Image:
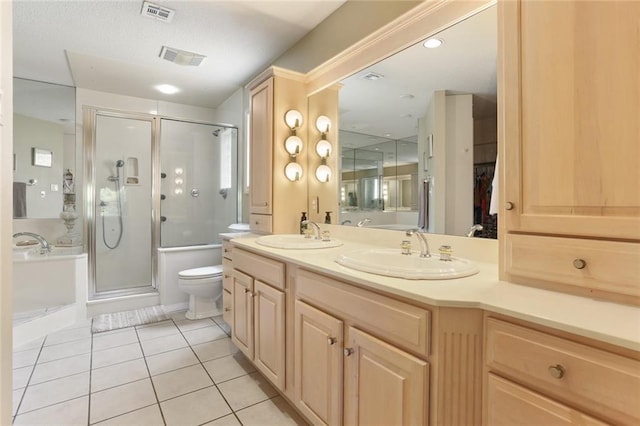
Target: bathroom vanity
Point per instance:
(471, 350)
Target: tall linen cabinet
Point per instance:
(569, 131)
(275, 203)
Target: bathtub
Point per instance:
(172, 260)
(49, 291)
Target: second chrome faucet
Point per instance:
(424, 245)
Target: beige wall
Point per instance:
(349, 24)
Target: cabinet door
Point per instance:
(242, 313)
(260, 149)
(569, 114)
(509, 404)
(269, 332)
(318, 365)
(383, 384)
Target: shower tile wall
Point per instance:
(196, 206)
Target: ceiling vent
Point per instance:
(181, 57)
(372, 76)
(157, 12)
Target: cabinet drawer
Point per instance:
(397, 322)
(606, 266)
(227, 277)
(260, 223)
(510, 404)
(592, 379)
(227, 249)
(264, 269)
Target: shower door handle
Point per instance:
(163, 218)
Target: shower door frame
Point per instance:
(90, 117)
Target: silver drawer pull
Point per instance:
(348, 351)
(331, 340)
(579, 263)
(557, 371)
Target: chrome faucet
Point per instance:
(315, 225)
(363, 222)
(44, 245)
(424, 245)
(473, 229)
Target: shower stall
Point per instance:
(152, 182)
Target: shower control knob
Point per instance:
(163, 218)
(163, 197)
(163, 175)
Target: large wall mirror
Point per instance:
(43, 147)
(419, 130)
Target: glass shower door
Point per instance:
(121, 238)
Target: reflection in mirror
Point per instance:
(378, 175)
(43, 122)
(424, 119)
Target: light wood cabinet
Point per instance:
(242, 313)
(361, 379)
(269, 332)
(569, 131)
(318, 364)
(258, 313)
(515, 405)
(227, 283)
(551, 376)
(261, 148)
(275, 202)
(383, 384)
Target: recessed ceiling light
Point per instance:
(167, 89)
(432, 43)
(372, 76)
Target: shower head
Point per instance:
(119, 163)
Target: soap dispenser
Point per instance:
(303, 226)
(327, 218)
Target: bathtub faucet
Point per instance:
(44, 245)
(363, 222)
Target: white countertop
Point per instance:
(605, 321)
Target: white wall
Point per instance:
(459, 164)
(449, 118)
(6, 210)
(29, 133)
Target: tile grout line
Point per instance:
(90, 374)
(26, 386)
(153, 386)
(209, 375)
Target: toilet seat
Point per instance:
(201, 273)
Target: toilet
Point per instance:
(204, 287)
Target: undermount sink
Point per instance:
(295, 242)
(392, 263)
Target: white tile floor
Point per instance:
(175, 372)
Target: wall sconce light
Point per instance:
(323, 148)
(293, 119)
(293, 145)
(323, 172)
(293, 171)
